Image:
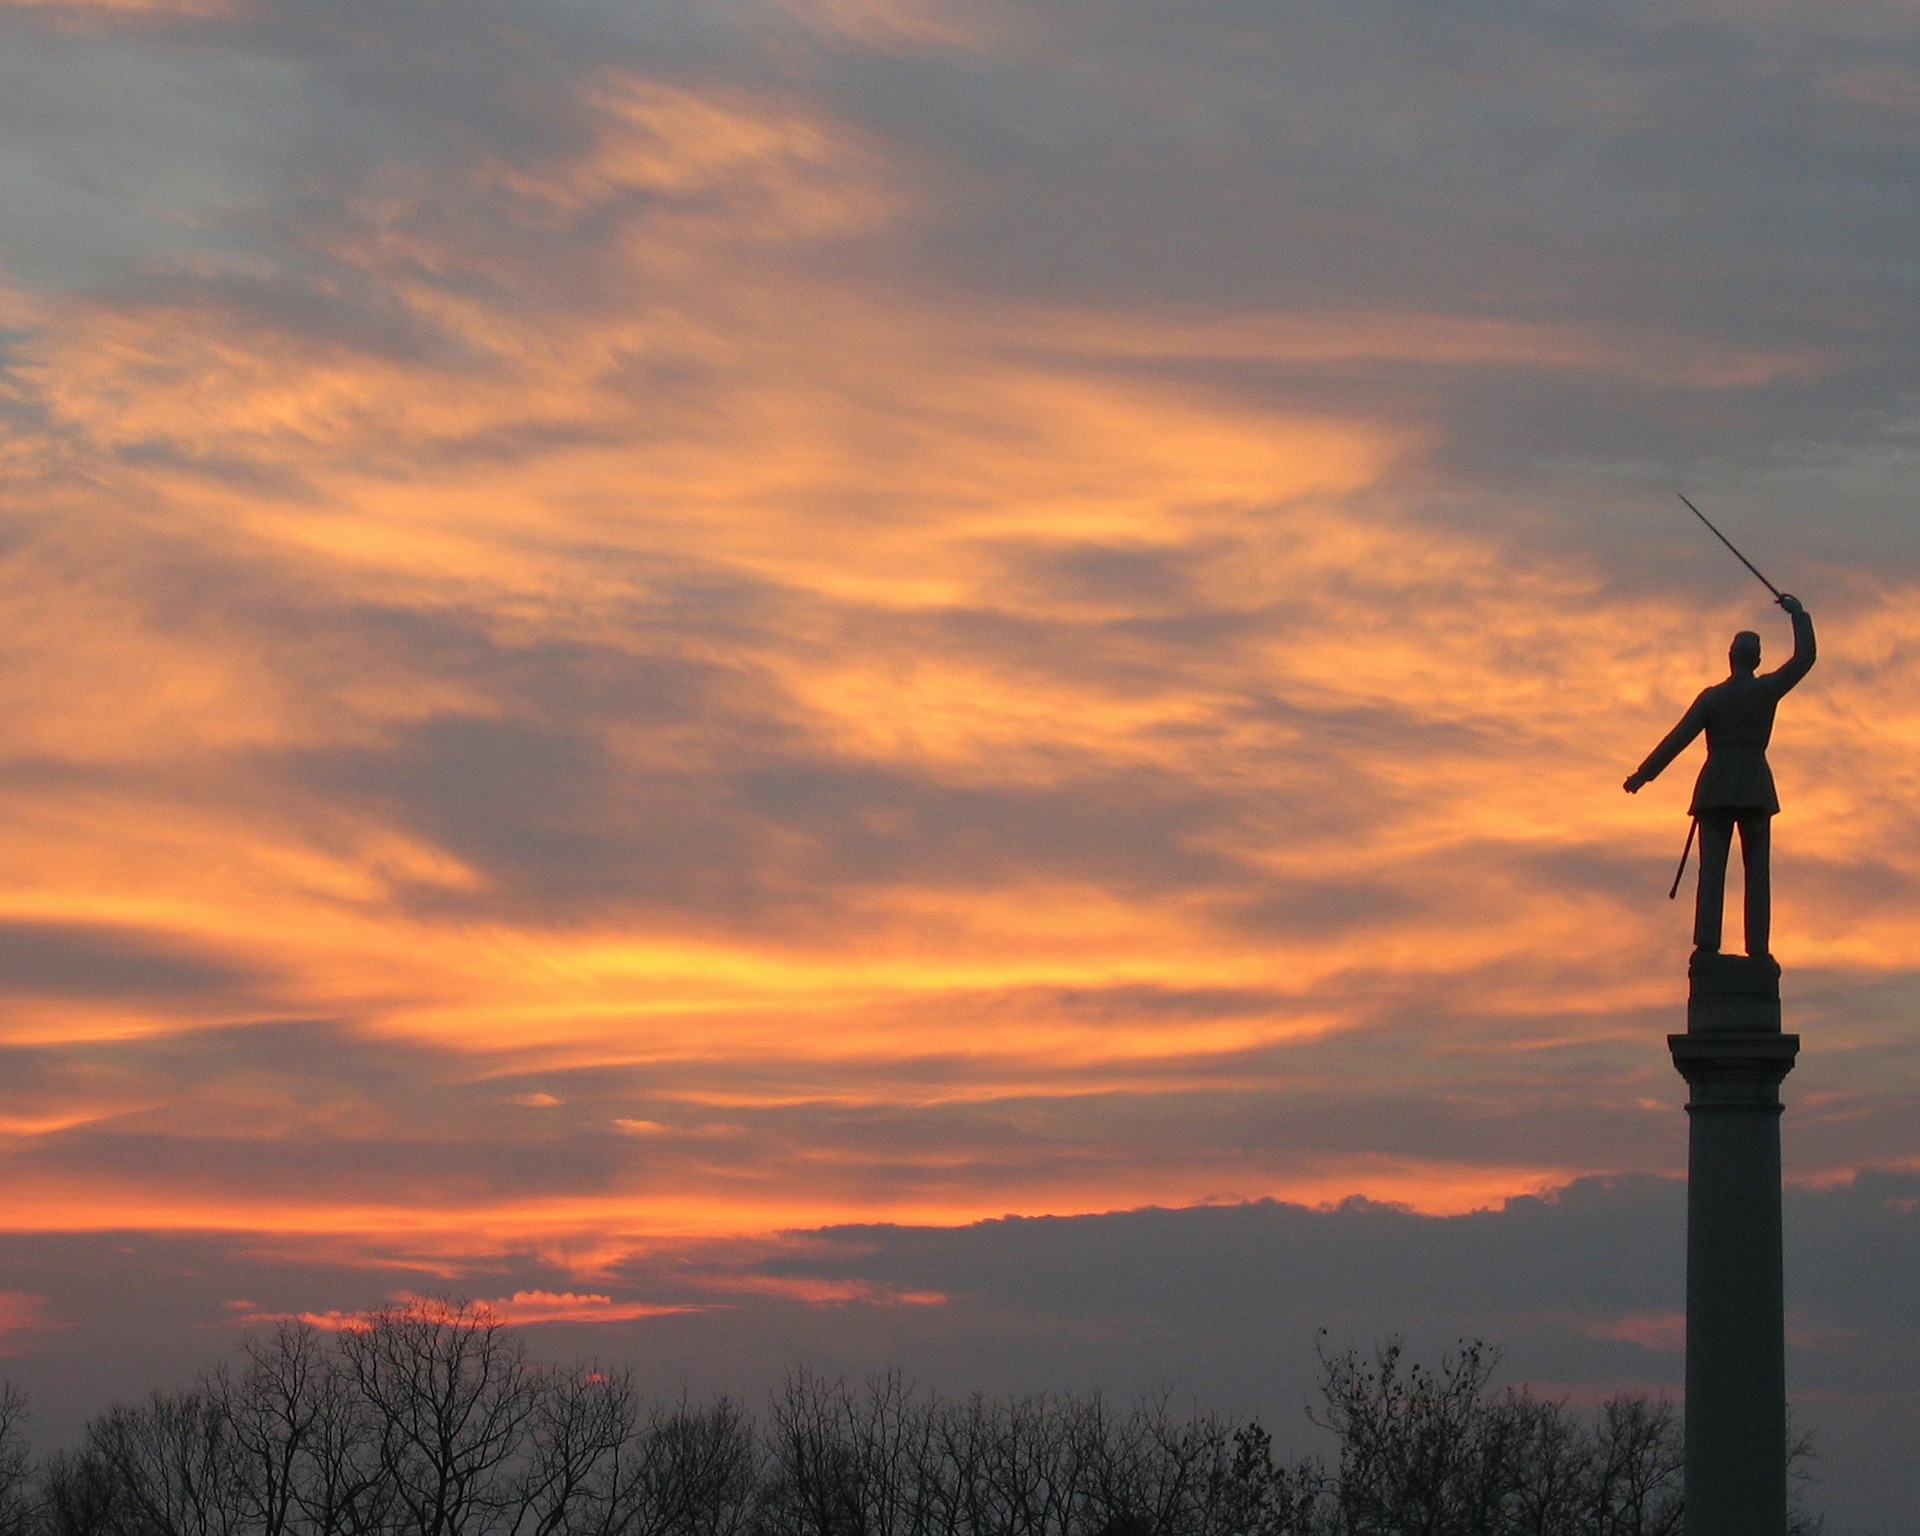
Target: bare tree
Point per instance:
(172, 1465)
(1634, 1470)
(303, 1439)
(270, 1411)
(1416, 1455)
(1801, 1454)
(1265, 1497)
(1434, 1452)
(19, 1507)
(79, 1496)
(602, 1465)
(339, 1484)
(885, 1462)
(696, 1473)
(452, 1400)
(428, 1420)
(843, 1463)
(1549, 1470)
(581, 1423)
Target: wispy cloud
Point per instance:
(520, 1310)
(825, 612)
(23, 1313)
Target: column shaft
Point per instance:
(1736, 1411)
(1734, 1057)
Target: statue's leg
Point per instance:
(1716, 842)
(1756, 849)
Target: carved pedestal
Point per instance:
(1734, 1057)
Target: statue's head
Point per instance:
(1744, 654)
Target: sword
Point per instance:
(1729, 543)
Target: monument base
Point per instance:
(1734, 1057)
(1732, 992)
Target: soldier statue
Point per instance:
(1735, 788)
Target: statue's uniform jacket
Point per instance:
(1737, 716)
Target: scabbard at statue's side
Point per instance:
(1693, 826)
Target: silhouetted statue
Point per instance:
(1735, 788)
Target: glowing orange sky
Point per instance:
(572, 688)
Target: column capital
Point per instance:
(1734, 1069)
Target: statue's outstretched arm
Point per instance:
(1676, 741)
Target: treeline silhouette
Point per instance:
(431, 1420)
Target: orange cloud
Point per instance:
(521, 1309)
(22, 1313)
(1662, 1331)
(1423, 339)
(731, 714)
(819, 1292)
(131, 9)
(897, 26)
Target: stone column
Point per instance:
(1733, 1057)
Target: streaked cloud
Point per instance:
(520, 1310)
(130, 8)
(22, 1313)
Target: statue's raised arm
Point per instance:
(1735, 787)
(1801, 662)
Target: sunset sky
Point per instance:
(632, 623)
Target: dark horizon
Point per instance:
(1224, 1307)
